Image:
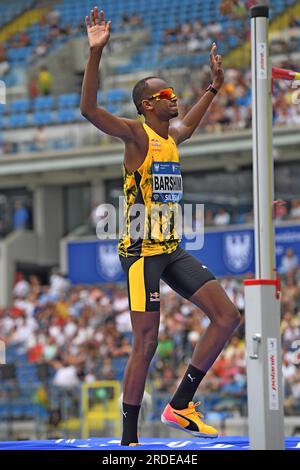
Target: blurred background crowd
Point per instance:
(171, 44)
(83, 333)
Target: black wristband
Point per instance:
(212, 89)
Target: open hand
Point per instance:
(216, 68)
(98, 30)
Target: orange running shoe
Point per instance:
(188, 420)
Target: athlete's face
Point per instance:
(164, 108)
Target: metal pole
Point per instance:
(262, 151)
(265, 404)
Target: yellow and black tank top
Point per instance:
(152, 196)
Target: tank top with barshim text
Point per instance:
(151, 203)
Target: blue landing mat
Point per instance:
(109, 444)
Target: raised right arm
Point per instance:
(98, 35)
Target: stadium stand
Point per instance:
(42, 321)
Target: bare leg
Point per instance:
(145, 327)
(224, 319)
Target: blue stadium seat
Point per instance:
(112, 108)
(19, 55)
(42, 117)
(3, 411)
(9, 10)
(101, 97)
(17, 120)
(66, 115)
(70, 100)
(43, 102)
(17, 411)
(30, 410)
(116, 95)
(75, 10)
(20, 106)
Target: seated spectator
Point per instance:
(280, 210)
(208, 218)
(4, 65)
(290, 293)
(40, 139)
(66, 376)
(295, 210)
(222, 217)
(294, 22)
(53, 17)
(33, 87)
(125, 22)
(40, 50)
(58, 284)
(50, 349)
(136, 22)
(289, 262)
(289, 328)
(35, 352)
(236, 8)
(186, 31)
(24, 39)
(22, 287)
(45, 81)
(239, 10)
(171, 34)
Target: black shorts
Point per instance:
(180, 270)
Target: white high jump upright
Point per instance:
(264, 370)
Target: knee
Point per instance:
(233, 317)
(145, 348)
(229, 318)
(150, 349)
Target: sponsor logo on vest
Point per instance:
(154, 297)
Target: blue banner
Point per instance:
(228, 252)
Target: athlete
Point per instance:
(152, 178)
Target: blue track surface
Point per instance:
(105, 444)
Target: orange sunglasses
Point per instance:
(164, 94)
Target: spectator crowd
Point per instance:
(84, 334)
(233, 108)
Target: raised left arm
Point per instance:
(193, 118)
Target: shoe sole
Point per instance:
(194, 433)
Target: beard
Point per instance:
(174, 112)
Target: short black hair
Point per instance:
(138, 92)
